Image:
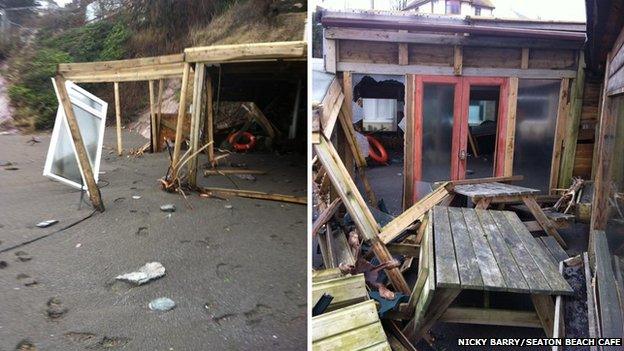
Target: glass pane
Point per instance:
(536, 117)
(89, 125)
(437, 134)
(64, 163)
(482, 124)
(76, 95)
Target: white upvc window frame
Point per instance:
(61, 120)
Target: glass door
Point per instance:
(483, 127)
(453, 116)
(437, 105)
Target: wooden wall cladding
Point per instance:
(583, 160)
(482, 57)
(368, 52)
(552, 59)
(430, 55)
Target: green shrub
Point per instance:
(114, 44)
(33, 94)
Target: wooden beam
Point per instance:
(209, 122)
(408, 143)
(498, 317)
(118, 119)
(258, 195)
(104, 66)
(153, 123)
(196, 119)
(612, 110)
(181, 116)
(444, 39)
(393, 229)
(510, 139)
(458, 60)
(360, 213)
(81, 151)
(403, 54)
(560, 129)
(395, 69)
(330, 55)
(572, 126)
(247, 52)
(159, 112)
(524, 61)
(326, 215)
(127, 74)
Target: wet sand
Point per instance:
(237, 275)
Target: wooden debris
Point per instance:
(210, 172)
(255, 195)
(569, 197)
(326, 215)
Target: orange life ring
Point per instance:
(377, 151)
(251, 141)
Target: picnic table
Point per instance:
(485, 194)
(486, 250)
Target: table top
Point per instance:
(493, 190)
(490, 250)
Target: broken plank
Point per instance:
(393, 229)
(326, 215)
(210, 172)
(258, 195)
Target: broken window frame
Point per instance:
(61, 120)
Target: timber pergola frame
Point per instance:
(158, 68)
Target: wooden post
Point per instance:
(198, 87)
(209, 122)
(605, 143)
(458, 60)
(153, 124)
(510, 137)
(159, 113)
(118, 119)
(562, 116)
(347, 90)
(572, 127)
(408, 143)
(81, 151)
(181, 117)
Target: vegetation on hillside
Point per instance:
(128, 29)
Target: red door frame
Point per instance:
(418, 119)
(461, 104)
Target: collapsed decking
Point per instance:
(543, 87)
(192, 63)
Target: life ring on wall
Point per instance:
(242, 146)
(377, 151)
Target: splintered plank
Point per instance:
(490, 272)
(393, 229)
(531, 272)
(514, 280)
(425, 265)
(469, 273)
(610, 312)
(539, 256)
(447, 274)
